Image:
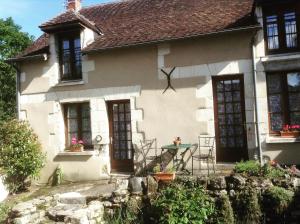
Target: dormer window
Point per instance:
(70, 56)
(282, 28)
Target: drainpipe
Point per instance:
(18, 76)
(257, 122)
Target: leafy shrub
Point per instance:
(122, 216)
(224, 211)
(277, 199)
(4, 209)
(250, 167)
(247, 207)
(180, 204)
(20, 154)
(273, 172)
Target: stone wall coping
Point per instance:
(278, 139)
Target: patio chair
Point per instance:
(205, 152)
(146, 147)
(181, 163)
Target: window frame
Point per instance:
(71, 36)
(79, 123)
(285, 104)
(279, 10)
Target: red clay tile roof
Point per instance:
(69, 17)
(133, 22)
(41, 45)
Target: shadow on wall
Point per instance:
(288, 153)
(167, 158)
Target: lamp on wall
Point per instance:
(98, 146)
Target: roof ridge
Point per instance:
(80, 16)
(106, 3)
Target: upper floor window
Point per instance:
(70, 56)
(281, 29)
(283, 99)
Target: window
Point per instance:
(78, 123)
(282, 28)
(283, 99)
(70, 56)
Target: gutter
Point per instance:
(257, 122)
(32, 57)
(253, 27)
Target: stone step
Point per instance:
(60, 212)
(76, 213)
(72, 198)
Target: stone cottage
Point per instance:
(117, 74)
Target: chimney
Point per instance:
(73, 4)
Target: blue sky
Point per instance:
(31, 13)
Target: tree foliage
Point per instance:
(12, 42)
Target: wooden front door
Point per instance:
(121, 149)
(230, 125)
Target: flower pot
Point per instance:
(164, 177)
(76, 148)
(290, 134)
(177, 143)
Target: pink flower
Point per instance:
(74, 141)
(80, 142)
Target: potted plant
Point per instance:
(177, 141)
(290, 131)
(163, 174)
(76, 145)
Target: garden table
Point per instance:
(175, 149)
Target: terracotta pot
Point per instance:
(164, 177)
(76, 148)
(177, 143)
(290, 134)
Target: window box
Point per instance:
(76, 148)
(290, 134)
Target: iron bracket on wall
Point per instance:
(169, 79)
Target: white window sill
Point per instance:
(278, 140)
(70, 83)
(280, 57)
(84, 153)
